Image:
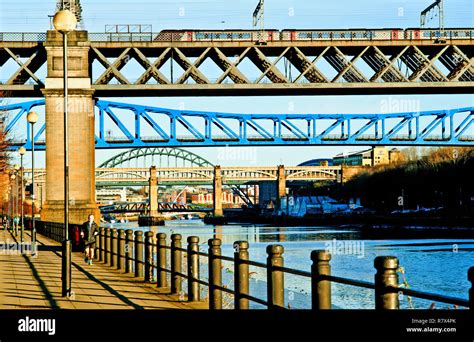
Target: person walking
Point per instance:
(88, 233)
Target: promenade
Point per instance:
(35, 283)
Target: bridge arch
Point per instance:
(160, 157)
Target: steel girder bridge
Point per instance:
(143, 207)
(122, 125)
(227, 63)
(202, 175)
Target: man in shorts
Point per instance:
(88, 232)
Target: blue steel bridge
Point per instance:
(123, 125)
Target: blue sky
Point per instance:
(32, 16)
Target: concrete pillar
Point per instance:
(217, 191)
(281, 185)
(81, 131)
(153, 192)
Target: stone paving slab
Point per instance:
(28, 282)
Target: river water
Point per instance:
(431, 265)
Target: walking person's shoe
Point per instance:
(90, 262)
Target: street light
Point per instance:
(32, 118)
(12, 177)
(65, 21)
(21, 152)
(17, 169)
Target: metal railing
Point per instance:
(143, 253)
(255, 36)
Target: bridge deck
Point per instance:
(28, 282)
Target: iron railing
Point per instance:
(144, 254)
(255, 36)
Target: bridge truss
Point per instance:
(218, 63)
(122, 125)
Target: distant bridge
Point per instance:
(143, 207)
(203, 175)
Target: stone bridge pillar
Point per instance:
(217, 192)
(281, 185)
(153, 192)
(81, 131)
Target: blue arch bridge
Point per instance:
(122, 125)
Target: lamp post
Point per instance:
(32, 118)
(65, 21)
(17, 169)
(21, 152)
(12, 177)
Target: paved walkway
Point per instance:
(27, 282)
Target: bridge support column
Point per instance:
(154, 218)
(281, 185)
(217, 192)
(153, 192)
(81, 131)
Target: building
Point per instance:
(378, 155)
(318, 162)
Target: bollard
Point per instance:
(275, 279)
(385, 277)
(161, 280)
(97, 246)
(320, 288)
(215, 274)
(138, 254)
(108, 232)
(470, 277)
(113, 249)
(176, 263)
(193, 269)
(100, 253)
(121, 250)
(128, 251)
(241, 275)
(148, 256)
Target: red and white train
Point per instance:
(311, 35)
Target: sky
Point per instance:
(32, 16)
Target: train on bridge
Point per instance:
(310, 35)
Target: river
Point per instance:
(431, 265)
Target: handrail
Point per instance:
(256, 36)
(386, 286)
(432, 296)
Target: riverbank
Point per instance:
(370, 225)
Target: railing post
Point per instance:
(113, 249)
(161, 279)
(148, 256)
(128, 251)
(97, 245)
(138, 253)
(108, 231)
(100, 253)
(470, 277)
(176, 263)
(215, 274)
(241, 274)
(121, 250)
(320, 288)
(275, 279)
(193, 269)
(386, 277)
